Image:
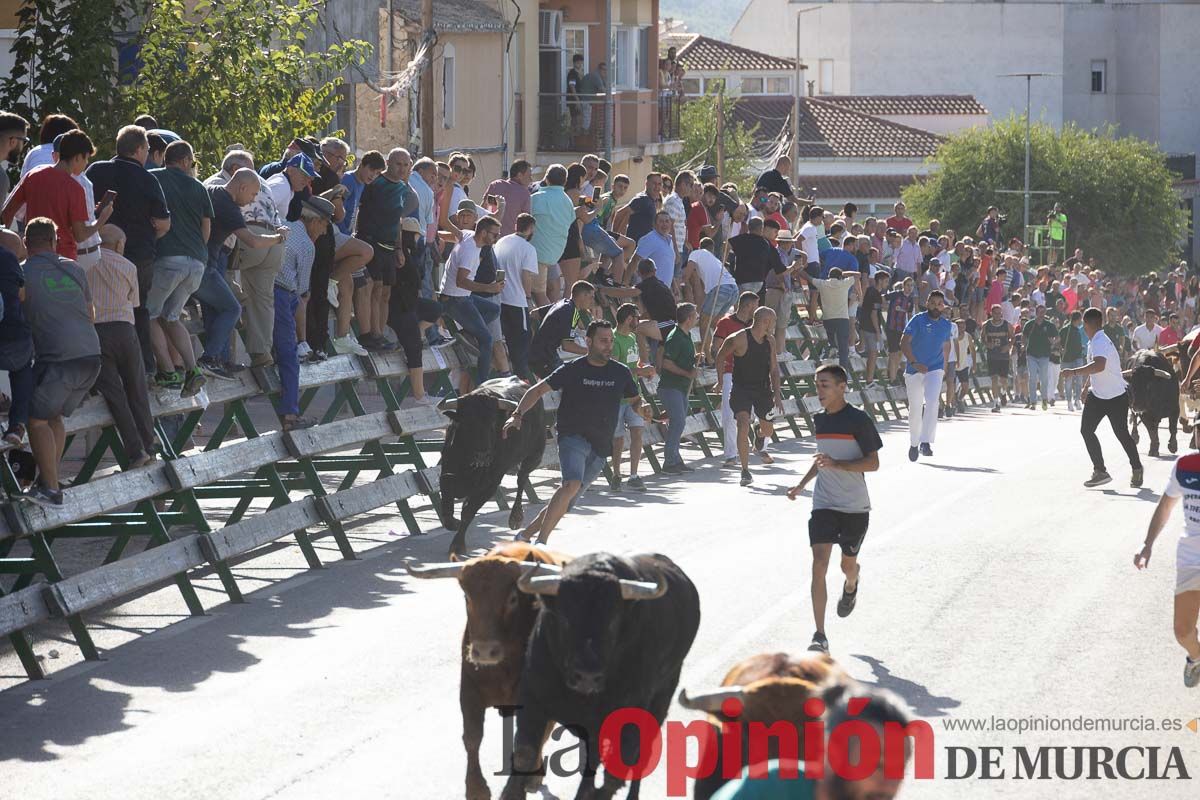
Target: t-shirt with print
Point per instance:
(846, 435)
(1185, 483)
(997, 340)
(58, 306)
(591, 399)
(190, 206)
(680, 350)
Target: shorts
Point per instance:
(1187, 576)
(382, 266)
(627, 419)
(578, 460)
(758, 399)
(893, 340)
(60, 386)
(843, 528)
(597, 239)
(339, 238)
(870, 340)
(361, 281)
(175, 279)
(963, 374)
(574, 248)
(719, 300)
(998, 368)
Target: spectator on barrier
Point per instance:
(16, 346)
(122, 382)
(42, 154)
(316, 214)
(179, 271)
(59, 308)
(515, 191)
(676, 205)
(140, 210)
(555, 214)
(405, 310)
(775, 180)
(713, 283)
(753, 255)
(459, 282)
(658, 248)
(678, 373)
(561, 328)
(659, 302)
(382, 206)
(517, 256)
(424, 181)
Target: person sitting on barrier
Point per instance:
(58, 305)
(122, 381)
(16, 345)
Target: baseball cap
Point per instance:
(320, 205)
(303, 163)
(466, 204)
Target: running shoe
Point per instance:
(303, 351)
(819, 644)
(1191, 673)
(1099, 478)
(635, 482)
(747, 478)
(846, 604)
(168, 380)
(193, 383)
(213, 368)
(912, 454)
(616, 484)
(1135, 478)
(996, 408)
(343, 345)
(47, 498)
(926, 450)
(1045, 406)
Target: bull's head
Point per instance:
(498, 614)
(474, 430)
(584, 618)
(1141, 378)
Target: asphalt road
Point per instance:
(993, 585)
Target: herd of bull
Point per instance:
(570, 641)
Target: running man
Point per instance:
(926, 345)
(1184, 482)
(847, 448)
(755, 385)
(630, 420)
(998, 342)
(741, 317)
(1104, 395)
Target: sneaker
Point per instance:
(819, 644)
(232, 367)
(47, 498)
(673, 469)
(378, 344)
(912, 454)
(345, 345)
(747, 478)
(303, 351)
(1191, 673)
(926, 450)
(635, 482)
(616, 484)
(1135, 478)
(1045, 405)
(213, 368)
(168, 380)
(847, 602)
(193, 383)
(298, 423)
(260, 360)
(438, 340)
(142, 460)
(1099, 478)
(995, 408)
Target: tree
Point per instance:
(236, 71)
(1116, 191)
(698, 129)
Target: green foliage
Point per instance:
(698, 129)
(1116, 192)
(237, 71)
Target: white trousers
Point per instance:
(924, 389)
(728, 420)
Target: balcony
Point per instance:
(634, 120)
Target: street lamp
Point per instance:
(798, 92)
(1028, 76)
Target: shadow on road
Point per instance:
(955, 468)
(922, 701)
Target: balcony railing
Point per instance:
(584, 123)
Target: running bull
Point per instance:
(475, 457)
(770, 688)
(1153, 395)
(612, 633)
(499, 621)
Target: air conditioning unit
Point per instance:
(550, 29)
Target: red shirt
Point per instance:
(1168, 337)
(697, 218)
(782, 220)
(51, 192)
(901, 224)
(726, 327)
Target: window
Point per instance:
(574, 44)
(779, 85)
(1099, 75)
(629, 67)
(448, 86)
(826, 83)
(752, 85)
(691, 86)
(714, 85)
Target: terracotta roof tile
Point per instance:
(855, 187)
(710, 55)
(907, 104)
(831, 131)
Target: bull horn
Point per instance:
(643, 590)
(448, 404)
(532, 583)
(506, 405)
(711, 702)
(1162, 373)
(442, 570)
(528, 567)
(1126, 373)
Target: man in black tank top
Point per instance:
(998, 343)
(755, 384)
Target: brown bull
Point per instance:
(772, 687)
(499, 621)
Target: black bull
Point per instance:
(612, 633)
(1153, 395)
(475, 457)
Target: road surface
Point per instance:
(993, 585)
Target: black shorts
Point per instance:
(760, 400)
(998, 367)
(843, 528)
(963, 374)
(893, 340)
(574, 248)
(382, 266)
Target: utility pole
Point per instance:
(798, 92)
(427, 83)
(721, 131)
(1028, 76)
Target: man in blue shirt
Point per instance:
(926, 346)
(659, 248)
(837, 257)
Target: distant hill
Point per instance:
(704, 16)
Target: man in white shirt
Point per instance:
(1105, 395)
(1145, 336)
(458, 282)
(810, 233)
(518, 258)
(707, 277)
(677, 206)
(297, 175)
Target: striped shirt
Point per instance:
(114, 286)
(298, 255)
